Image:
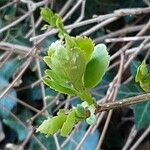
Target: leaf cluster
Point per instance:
(64, 121)
(76, 66)
(54, 20)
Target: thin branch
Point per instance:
(104, 130)
(8, 4)
(116, 88)
(123, 103)
(133, 11)
(84, 138)
(25, 142)
(66, 7)
(131, 137)
(145, 134)
(72, 10)
(57, 142)
(125, 30)
(117, 13)
(23, 103)
(17, 78)
(129, 44)
(125, 39)
(95, 28)
(23, 125)
(22, 17)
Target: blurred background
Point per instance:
(123, 25)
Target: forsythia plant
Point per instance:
(76, 66)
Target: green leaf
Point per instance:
(59, 23)
(86, 45)
(141, 72)
(52, 125)
(57, 59)
(91, 120)
(68, 64)
(86, 96)
(80, 111)
(143, 77)
(57, 79)
(141, 114)
(52, 84)
(69, 124)
(54, 20)
(47, 15)
(70, 42)
(97, 66)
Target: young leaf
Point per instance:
(47, 15)
(141, 72)
(91, 120)
(69, 124)
(52, 84)
(97, 66)
(53, 19)
(52, 125)
(143, 77)
(68, 64)
(70, 42)
(86, 45)
(57, 79)
(80, 111)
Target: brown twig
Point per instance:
(123, 103)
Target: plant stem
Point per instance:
(123, 103)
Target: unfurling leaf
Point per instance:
(55, 86)
(97, 66)
(54, 20)
(91, 120)
(86, 45)
(143, 77)
(69, 124)
(80, 111)
(52, 125)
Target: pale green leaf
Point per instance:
(52, 125)
(141, 72)
(69, 124)
(53, 19)
(56, 78)
(70, 42)
(143, 77)
(47, 15)
(91, 120)
(59, 23)
(45, 27)
(97, 66)
(52, 84)
(80, 111)
(86, 45)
